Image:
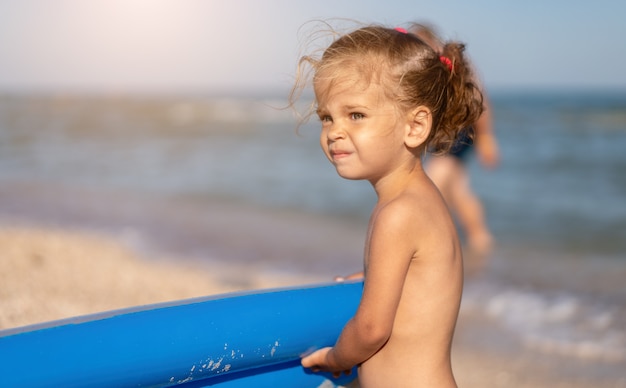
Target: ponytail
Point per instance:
(461, 99)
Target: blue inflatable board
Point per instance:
(252, 339)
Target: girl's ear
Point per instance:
(419, 124)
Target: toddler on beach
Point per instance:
(383, 98)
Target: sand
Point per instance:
(53, 274)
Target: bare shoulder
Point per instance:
(400, 216)
(422, 219)
(419, 208)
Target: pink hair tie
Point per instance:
(402, 30)
(446, 61)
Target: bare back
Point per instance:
(417, 353)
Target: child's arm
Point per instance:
(390, 252)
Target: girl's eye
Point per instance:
(357, 116)
(326, 119)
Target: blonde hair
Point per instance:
(410, 72)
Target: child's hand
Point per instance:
(318, 362)
(358, 275)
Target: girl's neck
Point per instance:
(394, 184)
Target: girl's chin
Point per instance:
(349, 175)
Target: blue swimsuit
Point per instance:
(463, 145)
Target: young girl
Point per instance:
(383, 97)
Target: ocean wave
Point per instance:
(230, 110)
(562, 324)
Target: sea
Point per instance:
(239, 180)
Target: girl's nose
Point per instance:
(335, 132)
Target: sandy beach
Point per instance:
(49, 274)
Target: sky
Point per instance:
(231, 46)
